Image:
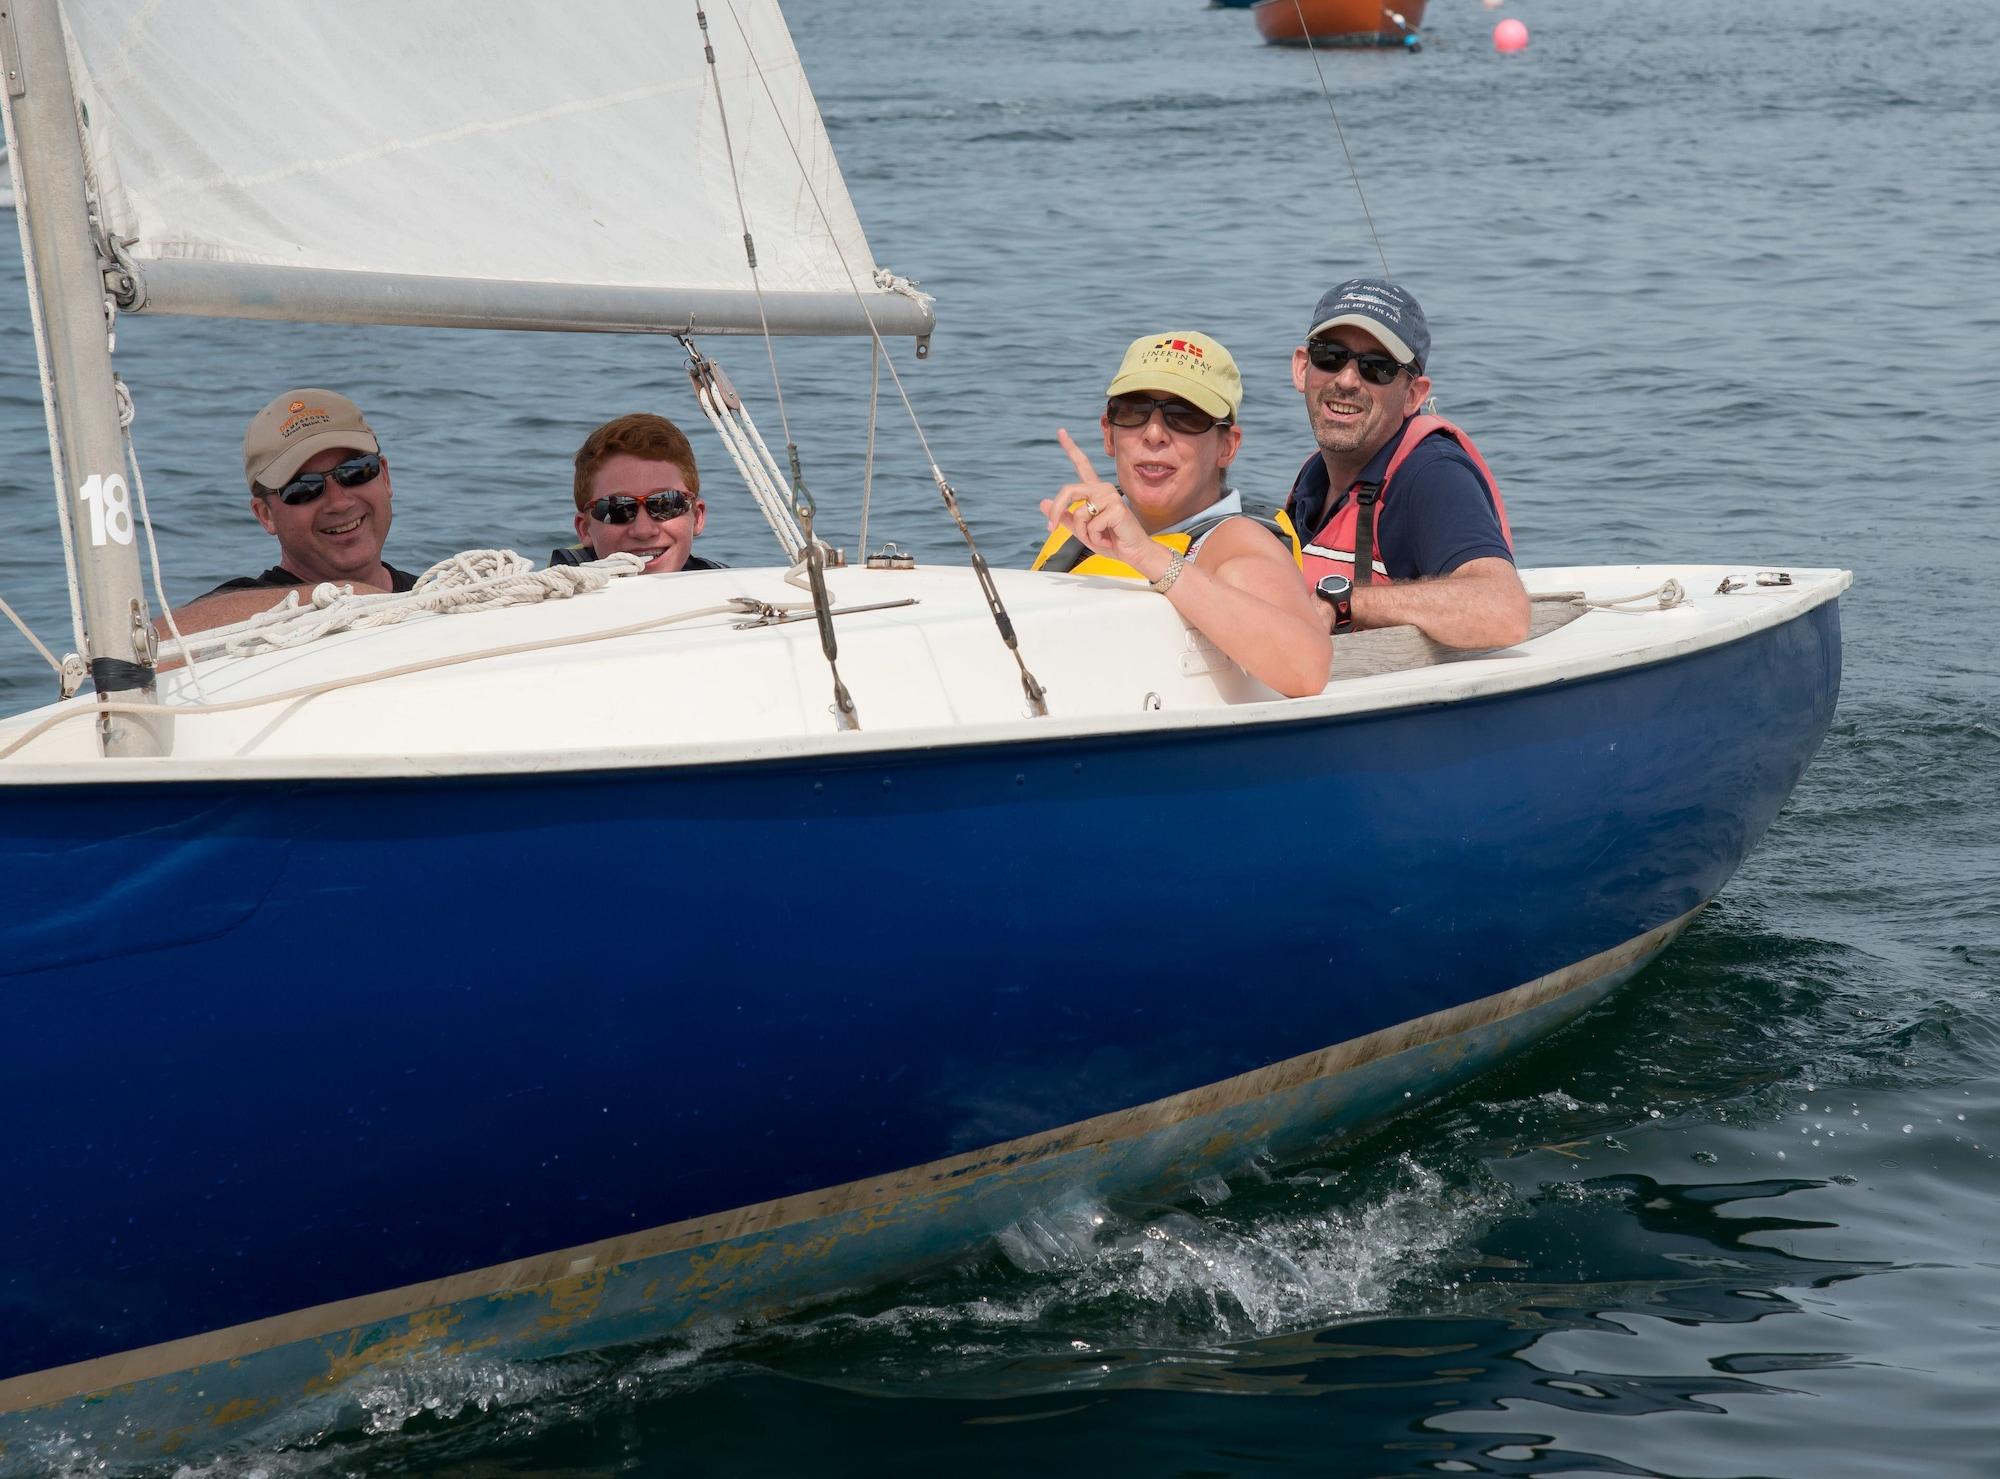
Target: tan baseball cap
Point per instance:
(1193, 366)
(286, 434)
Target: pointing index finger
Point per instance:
(1084, 471)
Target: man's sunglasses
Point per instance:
(1376, 368)
(352, 473)
(623, 508)
(1137, 410)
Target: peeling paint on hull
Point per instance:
(880, 1231)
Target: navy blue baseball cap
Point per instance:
(1381, 308)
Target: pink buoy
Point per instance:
(1510, 35)
(1493, 4)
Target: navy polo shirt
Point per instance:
(1437, 517)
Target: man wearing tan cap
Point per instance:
(1171, 519)
(319, 485)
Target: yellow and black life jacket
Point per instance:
(1065, 554)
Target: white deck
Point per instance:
(935, 673)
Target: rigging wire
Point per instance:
(845, 714)
(1431, 402)
(1037, 696)
(1334, 113)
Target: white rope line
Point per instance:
(127, 413)
(761, 476)
(776, 474)
(754, 476)
(59, 464)
(33, 641)
(331, 685)
(464, 582)
(1664, 597)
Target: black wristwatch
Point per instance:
(1338, 592)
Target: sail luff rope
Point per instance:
(845, 714)
(59, 463)
(1334, 113)
(127, 413)
(1037, 696)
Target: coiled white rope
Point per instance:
(466, 582)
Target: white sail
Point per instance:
(452, 161)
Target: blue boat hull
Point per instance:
(745, 1034)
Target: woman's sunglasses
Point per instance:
(350, 474)
(623, 508)
(1376, 368)
(1136, 410)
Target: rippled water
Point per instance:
(1707, 280)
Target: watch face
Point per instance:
(1335, 588)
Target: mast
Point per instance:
(66, 289)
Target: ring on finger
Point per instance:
(1092, 509)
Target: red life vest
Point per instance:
(1333, 550)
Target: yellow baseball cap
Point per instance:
(1192, 366)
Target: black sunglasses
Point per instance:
(623, 508)
(350, 474)
(1137, 410)
(1376, 368)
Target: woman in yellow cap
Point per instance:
(1172, 520)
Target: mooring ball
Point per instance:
(1509, 35)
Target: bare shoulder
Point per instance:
(1244, 538)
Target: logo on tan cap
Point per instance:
(1192, 366)
(296, 427)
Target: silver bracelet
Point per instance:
(1171, 574)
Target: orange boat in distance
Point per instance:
(1339, 22)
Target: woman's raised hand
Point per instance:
(1094, 510)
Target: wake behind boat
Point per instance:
(365, 1088)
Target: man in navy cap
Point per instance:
(1399, 519)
